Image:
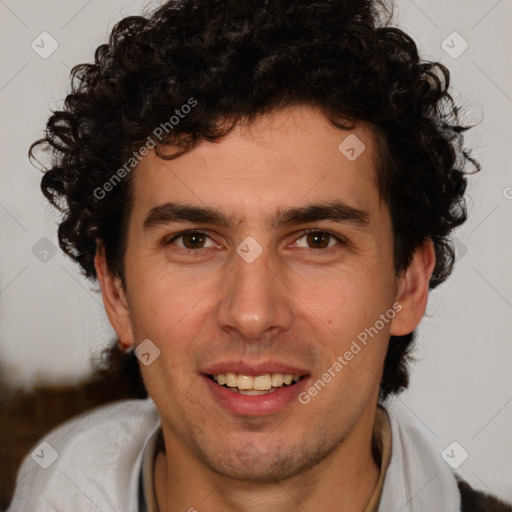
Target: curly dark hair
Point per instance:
(238, 60)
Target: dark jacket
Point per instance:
(478, 501)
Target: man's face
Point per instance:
(213, 304)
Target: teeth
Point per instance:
(277, 380)
(259, 385)
(263, 382)
(255, 392)
(231, 380)
(245, 382)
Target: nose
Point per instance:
(255, 303)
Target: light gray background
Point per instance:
(52, 320)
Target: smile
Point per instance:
(259, 385)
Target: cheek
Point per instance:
(343, 299)
(344, 315)
(170, 306)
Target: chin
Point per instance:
(257, 465)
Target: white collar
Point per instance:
(417, 478)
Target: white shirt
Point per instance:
(100, 456)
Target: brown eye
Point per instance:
(318, 240)
(193, 240)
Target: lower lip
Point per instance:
(255, 405)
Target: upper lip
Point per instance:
(252, 369)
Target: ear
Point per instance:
(412, 293)
(114, 298)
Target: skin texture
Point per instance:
(295, 304)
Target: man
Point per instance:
(265, 192)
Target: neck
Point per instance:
(344, 480)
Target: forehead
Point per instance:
(284, 159)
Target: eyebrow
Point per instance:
(336, 211)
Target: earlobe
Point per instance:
(413, 287)
(114, 299)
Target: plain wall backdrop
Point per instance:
(52, 320)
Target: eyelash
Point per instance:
(338, 238)
(187, 232)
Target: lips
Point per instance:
(259, 385)
(252, 369)
(254, 389)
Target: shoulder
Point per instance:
(88, 462)
(478, 501)
(416, 459)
